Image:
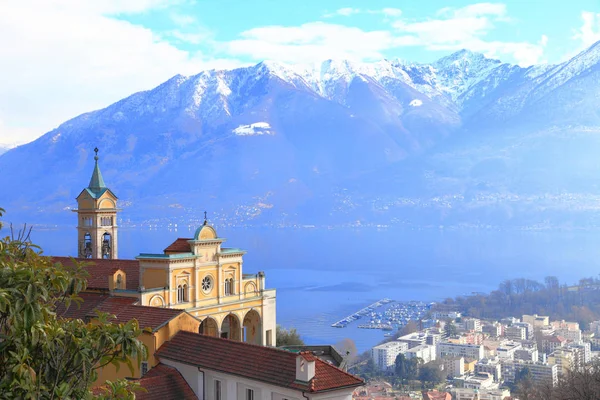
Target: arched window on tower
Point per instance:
(87, 246)
(106, 245)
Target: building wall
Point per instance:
(152, 341)
(233, 387)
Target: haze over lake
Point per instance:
(322, 275)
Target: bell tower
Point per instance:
(97, 219)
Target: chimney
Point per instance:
(305, 367)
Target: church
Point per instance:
(197, 274)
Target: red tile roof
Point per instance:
(147, 317)
(180, 245)
(161, 382)
(101, 269)
(122, 308)
(265, 364)
(435, 395)
(164, 382)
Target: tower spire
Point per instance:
(97, 182)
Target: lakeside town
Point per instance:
(464, 358)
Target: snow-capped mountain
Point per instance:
(275, 139)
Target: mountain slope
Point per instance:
(336, 142)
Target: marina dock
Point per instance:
(361, 313)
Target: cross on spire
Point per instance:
(96, 156)
(205, 219)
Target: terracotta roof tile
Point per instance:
(164, 382)
(100, 269)
(122, 308)
(161, 382)
(180, 245)
(75, 310)
(147, 317)
(265, 364)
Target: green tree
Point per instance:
(450, 329)
(287, 337)
(430, 374)
(43, 356)
(406, 369)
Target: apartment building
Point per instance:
(537, 320)
(490, 366)
(515, 332)
(564, 358)
(481, 394)
(507, 349)
(425, 352)
(384, 355)
(471, 351)
(454, 366)
(540, 372)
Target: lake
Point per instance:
(322, 275)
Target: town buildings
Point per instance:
(384, 355)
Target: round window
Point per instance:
(207, 283)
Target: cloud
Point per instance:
(65, 57)
(311, 42)
(452, 29)
(348, 11)
(344, 12)
(589, 32)
(391, 12)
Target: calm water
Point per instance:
(322, 275)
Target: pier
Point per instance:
(360, 313)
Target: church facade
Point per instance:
(194, 274)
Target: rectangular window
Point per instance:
(269, 337)
(217, 390)
(249, 394)
(144, 367)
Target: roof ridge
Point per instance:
(339, 369)
(269, 348)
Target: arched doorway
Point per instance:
(209, 327)
(252, 327)
(230, 328)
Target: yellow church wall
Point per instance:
(154, 278)
(213, 273)
(152, 341)
(106, 203)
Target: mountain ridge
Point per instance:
(270, 141)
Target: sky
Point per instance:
(61, 58)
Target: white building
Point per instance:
(472, 351)
(507, 349)
(414, 339)
(472, 324)
(595, 327)
(220, 369)
(480, 394)
(540, 372)
(490, 366)
(538, 321)
(384, 355)
(515, 332)
(527, 354)
(480, 381)
(425, 352)
(454, 367)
